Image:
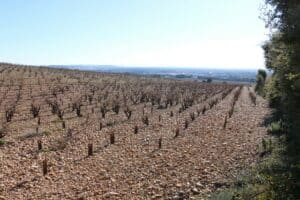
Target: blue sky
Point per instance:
(193, 33)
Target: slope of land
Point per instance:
(199, 152)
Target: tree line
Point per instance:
(282, 89)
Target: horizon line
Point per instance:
(134, 66)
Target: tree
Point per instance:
(209, 80)
(282, 56)
(260, 81)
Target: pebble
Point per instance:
(156, 196)
(199, 185)
(195, 191)
(109, 194)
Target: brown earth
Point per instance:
(203, 158)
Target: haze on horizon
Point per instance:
(193, 33)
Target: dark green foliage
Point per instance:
(273, 92)
(264, 144)
(260, 81)
(209, 80)
(276, 128)
(262, 73)
(282, 55)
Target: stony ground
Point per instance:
(201, 159)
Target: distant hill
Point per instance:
(230, 75)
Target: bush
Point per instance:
(275, 128)
(2, 142)
(272, 91)
(260, 81)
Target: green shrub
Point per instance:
(2, 142)
(260, 81)
(272, 91)
(260, 182)
(264, 144)
(275, 128)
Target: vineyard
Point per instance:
(68, 134)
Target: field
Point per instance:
(69, 134)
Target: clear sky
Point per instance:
(194, 33)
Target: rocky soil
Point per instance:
(200, 160)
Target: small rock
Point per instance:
(109, 194)
(156, 196)
(113, 180)
(219, 184)
(199, 185)
(176, 197)
(195, 191)
(181, 196)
